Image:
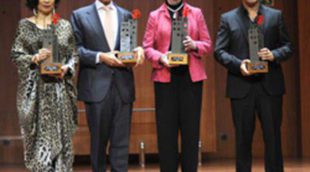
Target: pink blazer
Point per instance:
(157, 38)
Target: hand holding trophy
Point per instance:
(48, 57)
(256, 44)
(139, 53)
(41, 56)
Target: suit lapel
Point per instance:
(165, 23)
(266, 19)
(94, 21)
(240, 21)
(191, 20)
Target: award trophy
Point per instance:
(178, 56)
(129, 39)
(52, 65)
(256, 42)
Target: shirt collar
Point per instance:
(100, 5)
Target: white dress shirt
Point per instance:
(103, 11)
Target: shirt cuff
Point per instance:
(98, 58)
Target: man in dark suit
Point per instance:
(251, 93)
(105, 84)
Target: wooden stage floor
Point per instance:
(210, 166)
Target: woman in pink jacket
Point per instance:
(178, 89)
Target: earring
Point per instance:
(54, 11)
(35, 12)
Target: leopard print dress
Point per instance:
(46, 110)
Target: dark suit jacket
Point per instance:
(232, 47)
(94, 79)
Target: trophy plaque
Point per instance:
(178, 56)
(129, 30)
(128, 42)
(51, 65)
(256, 42)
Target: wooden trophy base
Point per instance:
(128, 58)
(178, 59)
(257, 67)
(50, 69)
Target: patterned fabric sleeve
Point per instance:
(72, 53)
(71, 62)
(19, 53)
(27, 82)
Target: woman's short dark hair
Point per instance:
(33, 4)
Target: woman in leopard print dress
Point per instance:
(46, 105)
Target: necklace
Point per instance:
(175, 12)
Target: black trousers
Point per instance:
(178, 107)
(109, 121)
(269, 110)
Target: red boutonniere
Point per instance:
(55, 18)
(136, 14)
(185, 11)
(260, 20)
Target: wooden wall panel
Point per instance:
(208, 118)
(10, 149)
(8, 72)
(291, 115)
(304, 61)
(225, 130)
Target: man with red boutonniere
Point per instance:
(252, 42)
(106, 37)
